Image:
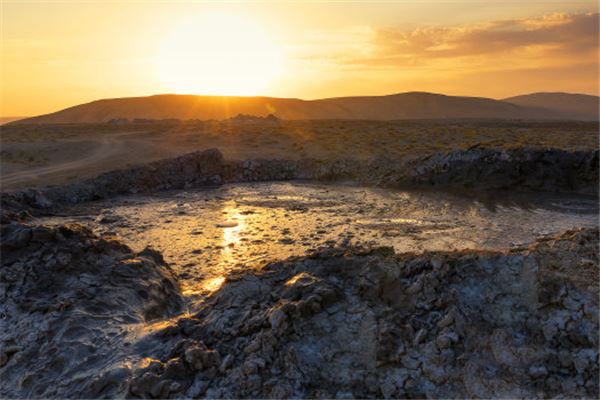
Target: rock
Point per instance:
(63, 258)
(112, 383)
(108, 219)
(18, 238)
(336, 323)
(584, 358)
(392, 385)
(213, 393)
(41, 201)
(415, 287)
(277, 319)
(436, 373)
(437, 263)
(443, 341)
(215, 179)
(145, 385)
(571, 304)
(3, 358)
(446, 339)
(197, 388)
(446, 320)
(537, 371)
(420, 336)
(226, 363)
(74, 312)
(174, 369)
(253, 365)
(550, 329)
(41, 234)
(201, 358)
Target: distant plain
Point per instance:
(40, 155)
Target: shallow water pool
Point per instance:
(205, 234)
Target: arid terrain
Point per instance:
(39, 155)
(299, 200)
(237, 258)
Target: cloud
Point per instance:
(554, 52)
(555, 38)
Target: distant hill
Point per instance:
(6, 120)
(412, 105)
(581, 106)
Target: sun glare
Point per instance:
(218, 54)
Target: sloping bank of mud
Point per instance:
(77, 315)
(71, 304)
(476, 168)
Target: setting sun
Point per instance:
(218, 54)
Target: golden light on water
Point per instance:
(218, 54)
(213, 284)
(233, 227)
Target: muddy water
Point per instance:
(205, 234)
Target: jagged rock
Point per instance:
(538, 371)
(15, 237)
(340, 322)
(69, 312)
(200, 358)
(523, 168)
(456, 349)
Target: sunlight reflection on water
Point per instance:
(207, 234)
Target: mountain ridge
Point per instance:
(577, 104)
(398, 106)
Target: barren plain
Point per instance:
(39, 155)
(299, 259)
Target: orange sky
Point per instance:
(58, 54)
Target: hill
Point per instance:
(6, 120)
(412, 105)
(581, 106)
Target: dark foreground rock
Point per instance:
(475, 168)
(69, 303)
(84, 317)
(360, 323)
(371, 324)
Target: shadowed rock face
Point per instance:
(339, 323)
(69, 304)
(523, 169)
(366, 324)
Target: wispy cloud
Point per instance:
(555, 37)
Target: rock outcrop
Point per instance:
(372, 324)
(70, 304)
(78, 312)
(479, 168)
(84, 317)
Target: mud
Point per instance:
(549, 170)
(205, 234)
(278, 290)
(86, 317)
(371, 324)
(72, 305)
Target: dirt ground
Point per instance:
(40, 155)
(200, 277)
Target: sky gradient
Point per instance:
(59, 54)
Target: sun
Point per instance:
(218, 54)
